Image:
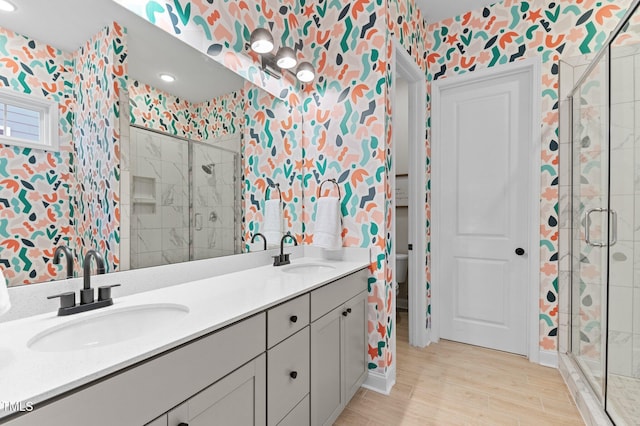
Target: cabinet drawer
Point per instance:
(283, 390)
(299, 416)
(332, 295)
(286, 319)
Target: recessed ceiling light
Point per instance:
(7, 6)
(165, 77)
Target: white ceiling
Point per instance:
(151, 50)
(437, 10)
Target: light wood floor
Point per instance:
(456, 384)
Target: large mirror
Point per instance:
(148, 171)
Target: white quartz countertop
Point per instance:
(31, 377)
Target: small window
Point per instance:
(28, 121)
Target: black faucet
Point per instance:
(87, 302)
(60, 250)
(282, 258)
(264, 239)
(86, 294)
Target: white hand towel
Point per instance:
(272, 222)
(328, 228)
(5, 303)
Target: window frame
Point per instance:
(48, 111)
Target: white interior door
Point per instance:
(485, 134)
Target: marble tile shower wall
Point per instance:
(624, 258)
(160, 199)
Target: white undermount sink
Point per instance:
(307, 268)
(107, 327)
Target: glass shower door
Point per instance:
(216, 225)
(623, 331)
(590, 140)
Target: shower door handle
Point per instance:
(614, 227)
(587, 226)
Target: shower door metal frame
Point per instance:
(612, 220)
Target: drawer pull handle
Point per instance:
(348, 310)
(293, 318)
(293, 374)
(345, 313)
(183, 424)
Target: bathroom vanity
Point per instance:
(267, 345)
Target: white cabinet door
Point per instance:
(355, 341)
(326, 368)
(237, 400)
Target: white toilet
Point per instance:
(402, 266)
(402, 269)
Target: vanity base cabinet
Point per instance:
(295, 364)
(145, 391)
(239, 399)
(338, 347)
(355, 345)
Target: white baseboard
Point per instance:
(548, 358)
(379, 382)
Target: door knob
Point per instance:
(520, 251)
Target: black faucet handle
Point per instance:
(67, 300)
(281, 259)
(104, 292)
(86, 296)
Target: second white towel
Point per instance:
(328, 227)
(5, 303)
(272, 222)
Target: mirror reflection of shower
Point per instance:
(210, 170)
(186, 199)
(216, 199)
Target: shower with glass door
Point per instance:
(605, 224)
(186, 198)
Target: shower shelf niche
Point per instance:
(144, 195)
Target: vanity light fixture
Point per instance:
(261, 42)
(305, 72)
(7, 6)
(167, 77)
(286, 58)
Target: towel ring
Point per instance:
(332, 181)
(277, 186)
